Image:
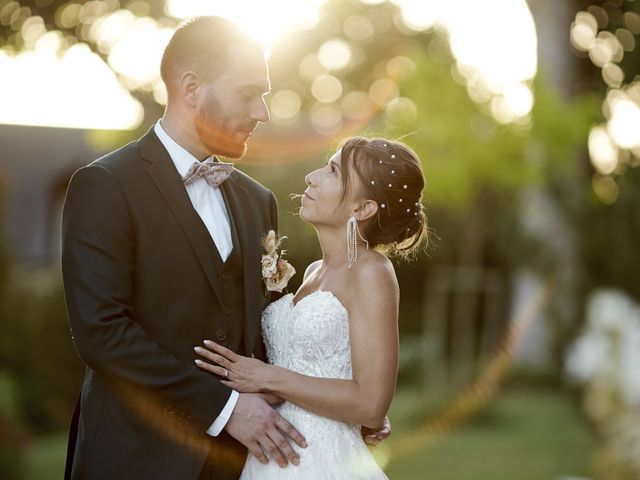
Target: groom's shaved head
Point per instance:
(201, 45)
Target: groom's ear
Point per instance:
(367, 210)
(188, 86)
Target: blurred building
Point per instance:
(35, 166)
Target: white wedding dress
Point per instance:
(312, 338)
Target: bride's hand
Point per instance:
(243, 374)
(271, 398)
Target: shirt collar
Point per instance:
(182, 159)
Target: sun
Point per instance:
(266, 21)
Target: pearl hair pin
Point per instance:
(390, 185)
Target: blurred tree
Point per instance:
(397, 83)
(606, 215)
(22, 21)
(620, 18)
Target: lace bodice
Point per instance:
(312, 338)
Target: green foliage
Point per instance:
(457, 163)
(465, 152)
(605, 235)
(37, 351)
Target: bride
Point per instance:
(333, 346)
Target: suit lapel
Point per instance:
(164, 174)
(244, 223)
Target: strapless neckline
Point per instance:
(315, 292)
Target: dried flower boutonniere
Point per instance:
(276, 271)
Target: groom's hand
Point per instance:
(374, 437)
(261, 429)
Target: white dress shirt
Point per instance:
(209, 204)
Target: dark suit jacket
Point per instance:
(141, 292)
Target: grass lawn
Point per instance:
(525, 434)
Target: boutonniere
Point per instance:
(276, 271)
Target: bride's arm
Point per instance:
(373, 329)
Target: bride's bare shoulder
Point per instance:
(374, 273)
(373, 294)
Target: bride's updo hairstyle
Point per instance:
(391, 175)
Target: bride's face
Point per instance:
(322, 200)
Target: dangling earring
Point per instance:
(352, 241)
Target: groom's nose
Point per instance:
(260, 112)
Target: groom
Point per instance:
(158, 256)
(161, 249)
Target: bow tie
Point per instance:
(214, 173)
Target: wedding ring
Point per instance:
(226, 374)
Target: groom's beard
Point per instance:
(218, 138)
